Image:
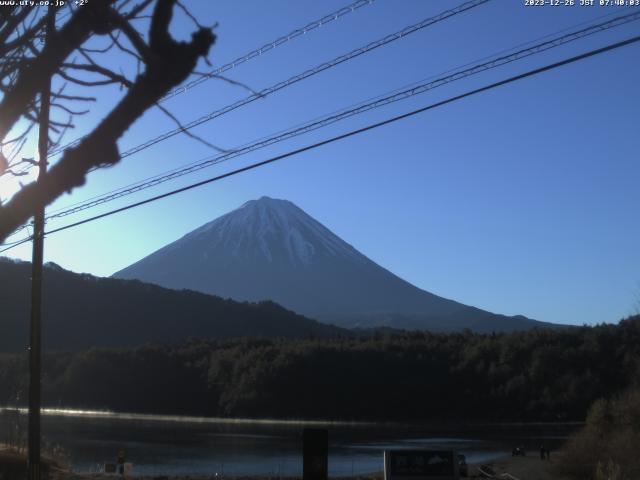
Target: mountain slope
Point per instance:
(80, 311)
(271, 249)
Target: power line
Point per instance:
(208, 159)
(294, 34)
(413, 90)
(307, 74)
(310, 27)
(270, 46)
(292, 80)
(394, 119)
(9, 246)
(527, 74)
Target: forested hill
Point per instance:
(80, 311)
(537, 375)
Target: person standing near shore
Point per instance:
(543, 452)
(121, 461)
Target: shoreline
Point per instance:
(521, 468)
(506, 467)
(159, 417)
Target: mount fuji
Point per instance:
(270, 249)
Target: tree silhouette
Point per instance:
(75, 59)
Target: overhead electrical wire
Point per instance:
(414, 89)
(427, 22)
(269, 46)
(351, 133)
(278, 42)
(309, 27)
(307, 127)
(297, 78)
(529, 73)
(11, 245)
(501, 52)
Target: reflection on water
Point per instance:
(172, 445)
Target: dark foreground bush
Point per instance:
(607, 447)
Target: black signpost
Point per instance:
(315, 454)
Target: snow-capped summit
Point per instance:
(269, 249)
(276, 230)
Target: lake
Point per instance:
(164, 445)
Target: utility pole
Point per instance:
(35, 347)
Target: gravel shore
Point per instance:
(521, 468)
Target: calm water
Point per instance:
(189, 446)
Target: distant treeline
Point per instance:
(534, 375)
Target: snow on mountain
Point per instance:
(271, 249)
(266, 226)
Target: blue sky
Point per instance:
(521, 200)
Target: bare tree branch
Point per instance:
(135, 11)
(167, 64)
(189, 14)
(93, 68)
(187, 132)
(78, 98)
(68, 110)
(135, 38)
(230, 81)
(86, 83)
(30, 80)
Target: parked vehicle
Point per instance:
(518, 452)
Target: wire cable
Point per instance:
(11, 245)
(427, 22)
(290, 81)
(270, 46)
(396, 96)
(316, 24)
(413, 84)
(352, 133)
